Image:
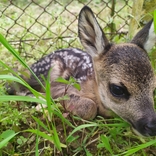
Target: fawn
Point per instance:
(113, 77)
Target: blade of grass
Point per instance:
(13, 51)
(50, 111)
(48, 95)
(12, 78)
(45, 136)
(21, 81)
(40, 123)
(22, 98)
(139, 147)
(81, 127)
(56, 138)
(37, 142)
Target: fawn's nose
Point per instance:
(146, 127)
(150, 128)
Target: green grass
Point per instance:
(53, 131)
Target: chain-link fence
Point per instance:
(39, 27)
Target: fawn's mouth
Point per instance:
(144, 127)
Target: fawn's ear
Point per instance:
(146, 37)
(90, 33)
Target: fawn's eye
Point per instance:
(119, 91)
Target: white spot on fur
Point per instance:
(84, 66)
(35, 69)
(47, 59)
(43, 62)
(51, 56)
(47, 67)
(87, 59)
(76, 51)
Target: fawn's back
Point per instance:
(113, 78)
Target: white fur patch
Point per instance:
(151, 39)
(78, 62)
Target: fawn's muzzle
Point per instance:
(146, 127)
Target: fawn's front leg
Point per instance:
(77, 104)
(81, 106)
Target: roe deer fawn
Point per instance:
(113, 78)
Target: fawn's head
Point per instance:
(123, 72)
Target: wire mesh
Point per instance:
(37, 27)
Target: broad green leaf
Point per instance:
(77, 86)
(105, 143)
(62, 80)
(6, 136)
